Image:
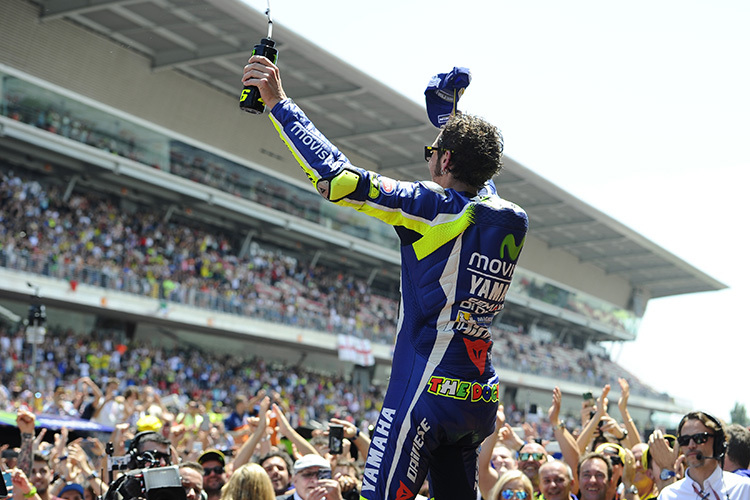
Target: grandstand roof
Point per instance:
(210, 39)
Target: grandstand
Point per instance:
(132, 107)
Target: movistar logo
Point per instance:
(513, 250)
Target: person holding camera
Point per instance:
(312, 480)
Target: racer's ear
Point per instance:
(445, 161)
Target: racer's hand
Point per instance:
(262, 73)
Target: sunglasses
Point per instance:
(216, 470)
(428, 150)
(511, 494)
(699, 438)
(525, 456)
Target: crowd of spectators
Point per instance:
(256, 437)
(181, 374)
(215, 171)
(88, 239)
(221, 412)
(77, 126)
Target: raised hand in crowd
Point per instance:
(632, 436)
(25, 421)
(261, 434)
(665, 457)
(23, 489)
(610, 426)
(568, 444)
(530, 431)
(504, 438)
(61, 440)
(352, 435)
(590, 430)
(302, 446)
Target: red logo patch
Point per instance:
(477, 351)
(403, 492)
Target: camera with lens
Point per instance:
(144, 479)
(159, 483)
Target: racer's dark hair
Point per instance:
(476, 148)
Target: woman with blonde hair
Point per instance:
(512, 485)
(249, 482)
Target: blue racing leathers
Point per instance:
(458, 254)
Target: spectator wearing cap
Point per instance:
(148, 423)
(214, 475)
(71, 491)
(308, 483)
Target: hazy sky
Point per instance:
(641, 109)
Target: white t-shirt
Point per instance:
(720, 485)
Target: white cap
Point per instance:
(311, 460)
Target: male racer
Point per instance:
(459, 246)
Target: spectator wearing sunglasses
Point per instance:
(531, 456)
(214, 475)
(512, 485)
(700, 437)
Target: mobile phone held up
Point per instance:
(335, 439)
